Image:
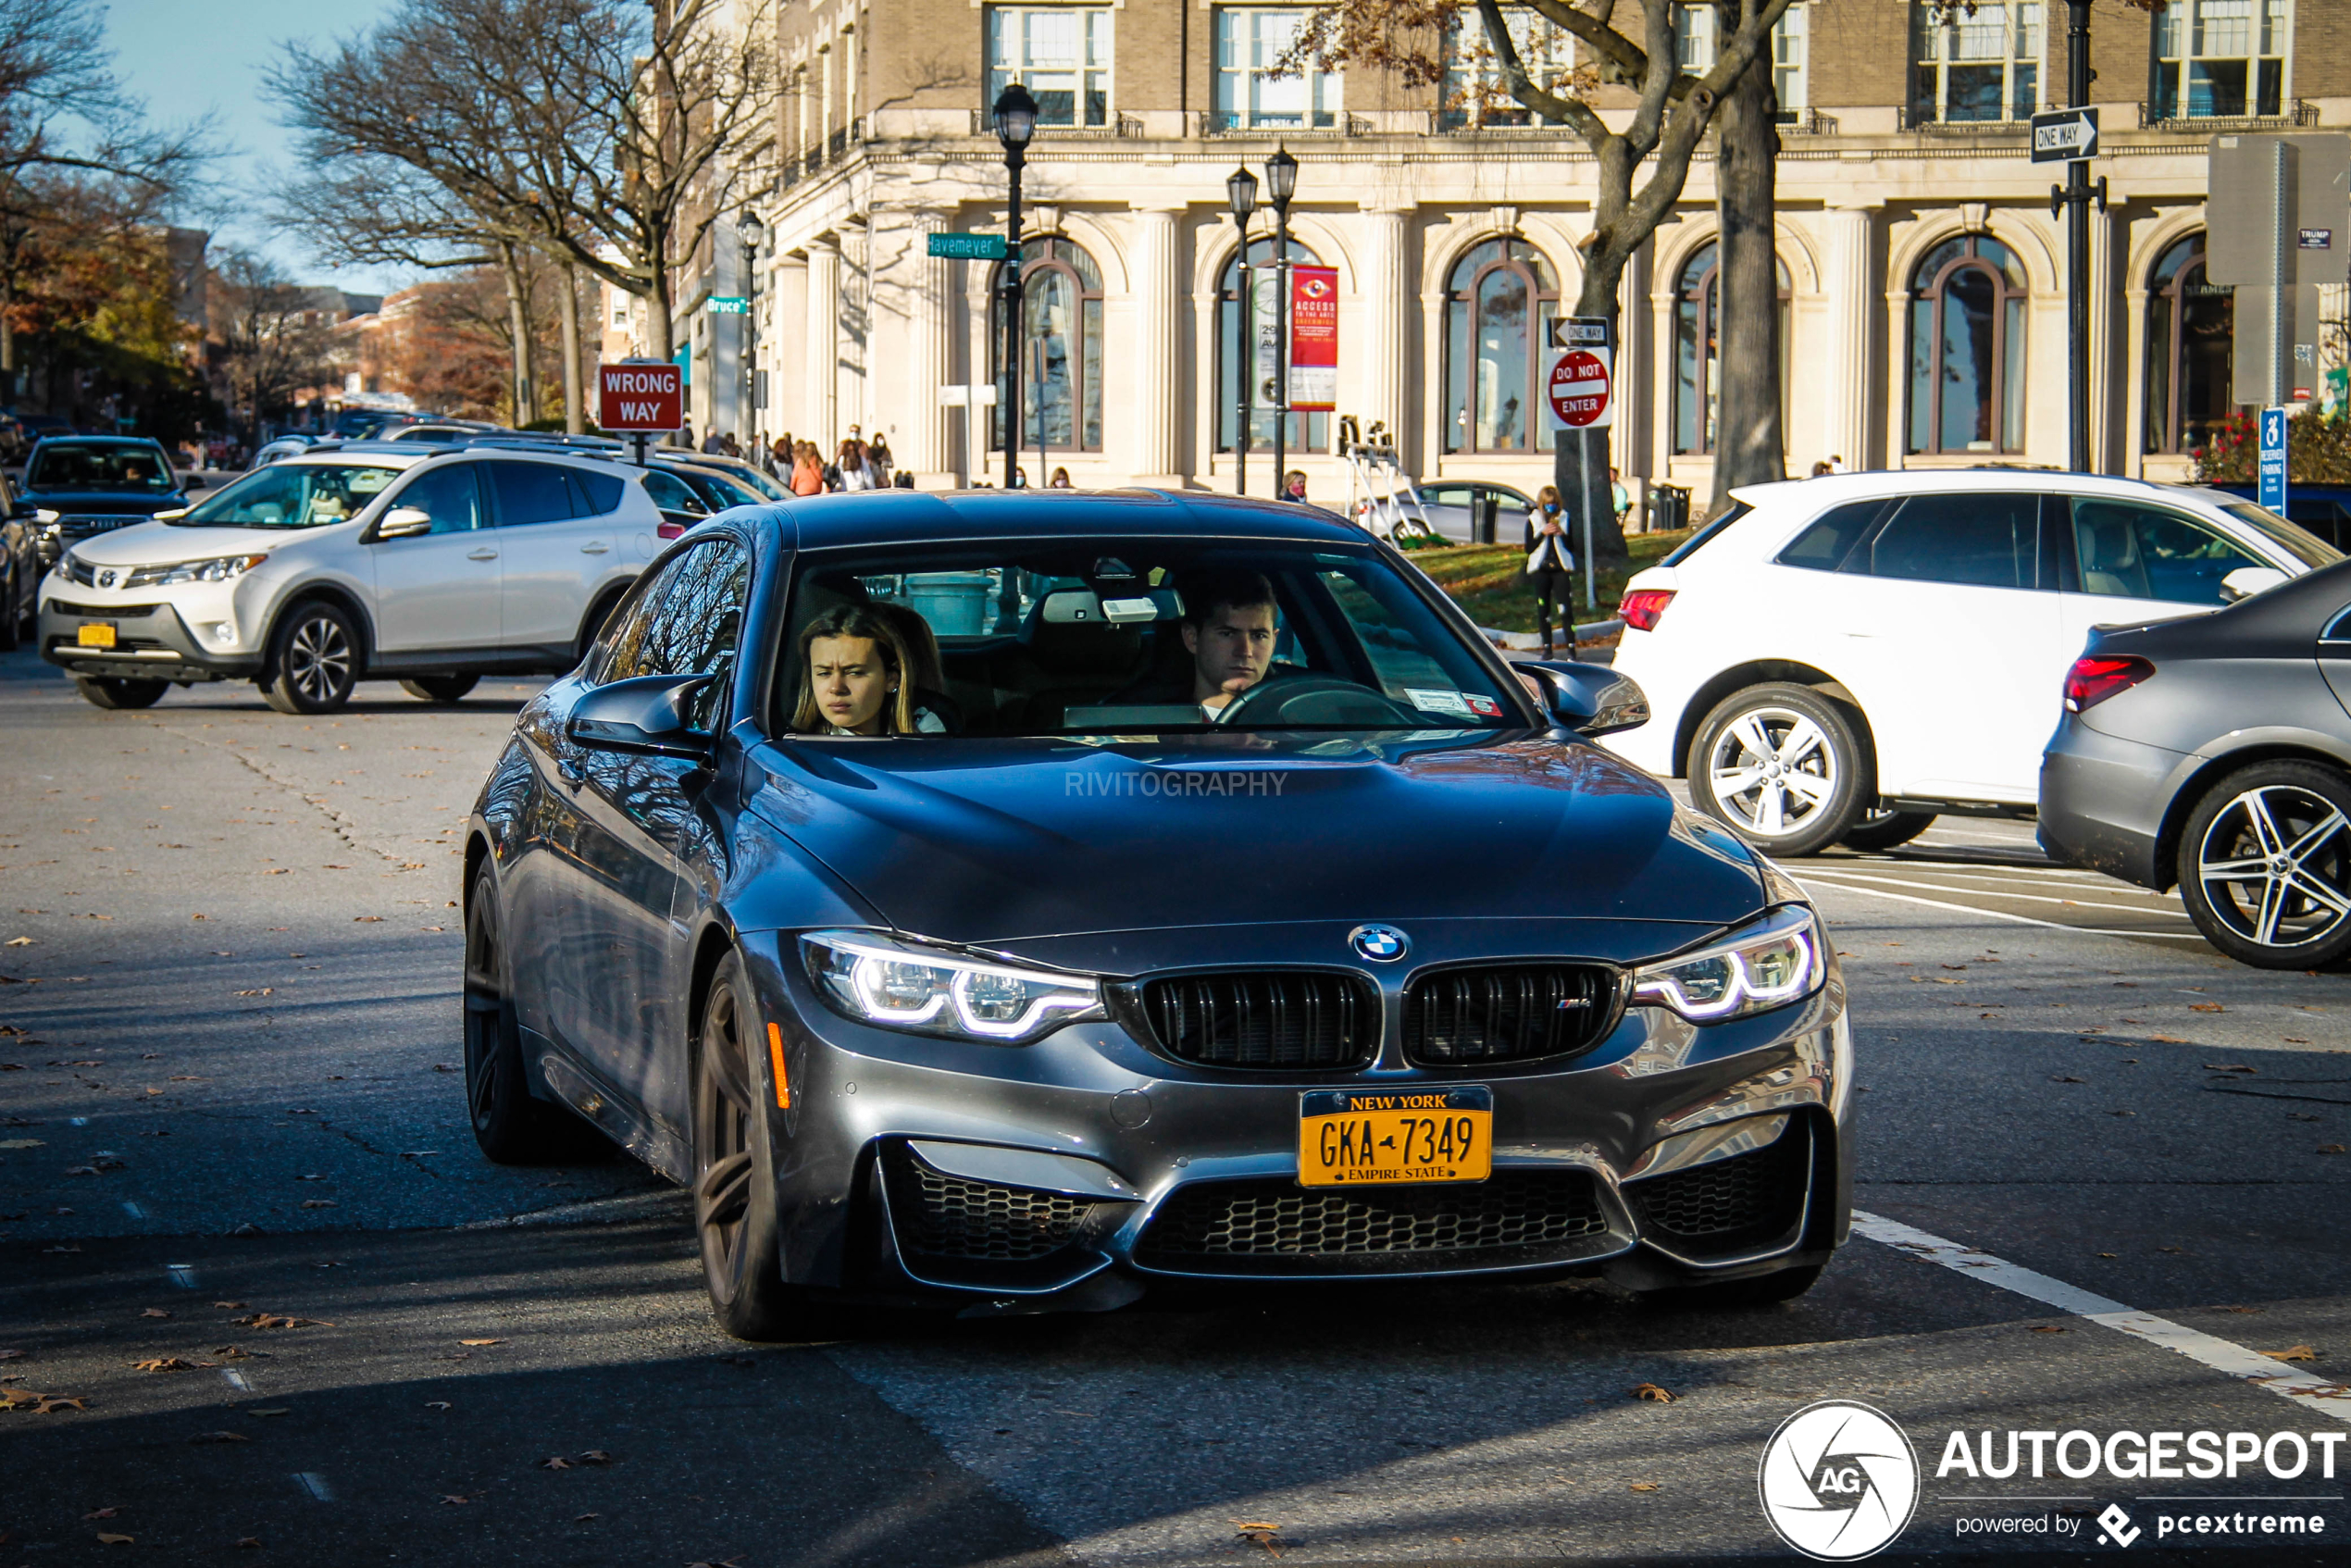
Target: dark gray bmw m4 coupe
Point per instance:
(1020, 898)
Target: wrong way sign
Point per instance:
(1579, 387)
(640, 397)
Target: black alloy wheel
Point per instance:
(1886, 829)
(512, 1127)
(2265, 866)
(117, 691)
(440, 688)
(1783, 768)
(12, 615)
(314, 660)
(735, 1211)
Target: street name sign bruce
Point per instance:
(640, 397)
(969, 247)
(2065, 135)
(727, 304)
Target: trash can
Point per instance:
(956, 603)
(1485, 520)
(1668, 507)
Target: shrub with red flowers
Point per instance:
(2317, 449)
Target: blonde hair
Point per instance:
(1548, 496)
(864, 621)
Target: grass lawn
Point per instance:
(1490, 582)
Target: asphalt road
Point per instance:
(226, 1082)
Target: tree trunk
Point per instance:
(575, 371)
(518, 329)
(1749, 447)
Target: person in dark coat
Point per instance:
(1551, 566)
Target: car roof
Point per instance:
(907, 516)
(99, 441)
(380, 455)
(1829, 489)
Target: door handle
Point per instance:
(597, 548)
(482, 555)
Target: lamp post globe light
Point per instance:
(1015, 117)
(1281, 183)
(754, 234)
(1240, 190)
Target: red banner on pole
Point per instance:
(1314, 339)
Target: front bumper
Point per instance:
(1668, 1154)
(2103, 802)
(153, 641)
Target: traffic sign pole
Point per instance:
(1581, 392)
(2077, 243)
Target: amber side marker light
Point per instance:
(775, 1060)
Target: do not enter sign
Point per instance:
(1578, 389)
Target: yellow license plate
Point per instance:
(95, 634)
(1348, 1137)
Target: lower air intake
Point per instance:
(939, 1216)
(1747, 1200)
(1275, 1227)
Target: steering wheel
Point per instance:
(1321, 700)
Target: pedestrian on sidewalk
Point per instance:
(1060, 480)
(850, 464)
(879, 460)
(1294, 486)
(808, 471)
(1551, 566)
(781, 458)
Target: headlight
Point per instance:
(1769, 965)
(935, 991)
(219, 569)
(44, 514)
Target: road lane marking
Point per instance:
(235, 1379)
(2029, 898)
(2004, 915)
(181, 1275)
(2108, 887)
(2333, 1399)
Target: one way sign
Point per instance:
(2065, 135)
(639, 397)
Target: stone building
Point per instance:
(1923, 272)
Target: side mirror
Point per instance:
(646, 715)
(1591, 698)
(404, 522)
(2246, 582)
(194, 480)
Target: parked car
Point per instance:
(744, 475)
(1453, 508)
(2322, 509)
(1117, 1009)
(268, 452)
(20, 570)
(687, 492)
(382, 560)
(2214, 754)
(1844, 658)
(76, 487)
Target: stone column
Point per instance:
(925, 295)
(1155, 411)
(1854, 299)
(823, 344)
(1376, 384)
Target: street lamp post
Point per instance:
(1016, 114)
(1240, 189)
(1281, 183)
(754, 234)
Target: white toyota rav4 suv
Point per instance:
(365, 561)
(1844, 658)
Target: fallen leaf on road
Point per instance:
(481, 1341)
(11, 1355)
(62, 1246)
(220, 1437)
(105, 1539)
(2299, 1352)
(366, 919)
(454, 1498)
(153, 1312)
(2294, 1040)
(265, 991)
(1642, 1487)
(442, 1067)
(270, 1320)
(249, 1542)
(2244, 1309)
(21, 941)
(2228, 1067)
(19, 1143)
(2066, 1078)
(2047, 1328)
(596, 1456)
(319, 1203)
(436, 1404)
(166, 1364)
(583, 1518)
(2206, 1007)
(558, 1463)
(2122, 1113)
(2329, 1149)
(228, 1306)
(2106, 1254)
(1652, 1391)
(274, 1410)
(100, 1513)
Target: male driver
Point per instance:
(1228, 632)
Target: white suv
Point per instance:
(1844, 658)
(368, 561)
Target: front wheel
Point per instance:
(512, 1127)
(1782, 767)
(1886, 829)
(12, 616)
(314, 661)
(440, 688)
(735, 1205)
(2265, 866)
(116, 691)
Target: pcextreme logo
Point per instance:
(1838, 1481)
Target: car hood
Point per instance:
(145, 544)
(994, 841)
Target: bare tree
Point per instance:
(1749, 445)
(273, 342)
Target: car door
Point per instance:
(2127, 562)
(555, 553)
(1959, 653)
(440, 591)
(616, 991)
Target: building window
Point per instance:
(1474, 95)
(2224, 59)
(1060, 53)
(1307, 433)
(1496, 303)
(1697, 355)
(1976, 64)
(1967, 348)
(1694, 38)
(1249, 39)
(2190, 324)
(1061, 362)
(1791, 59)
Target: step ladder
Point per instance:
(1380, 495)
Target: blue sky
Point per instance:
(186, 58)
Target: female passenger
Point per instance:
(856, 677)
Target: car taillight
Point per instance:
(671, 530)
(2093, 680)
(1642, 606)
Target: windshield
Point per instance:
(2292, 537)
(127, 466)
(1124, 636)
(293, 495)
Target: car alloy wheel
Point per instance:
(317, 661)
(734, 1190)
(1780, 767)
(512, 1127)
(2266, 866)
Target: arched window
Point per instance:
(1697, 353)
(1307, 433)
(1967, 348)
(1497, 302)
(1061, 362)
(2190, 324)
